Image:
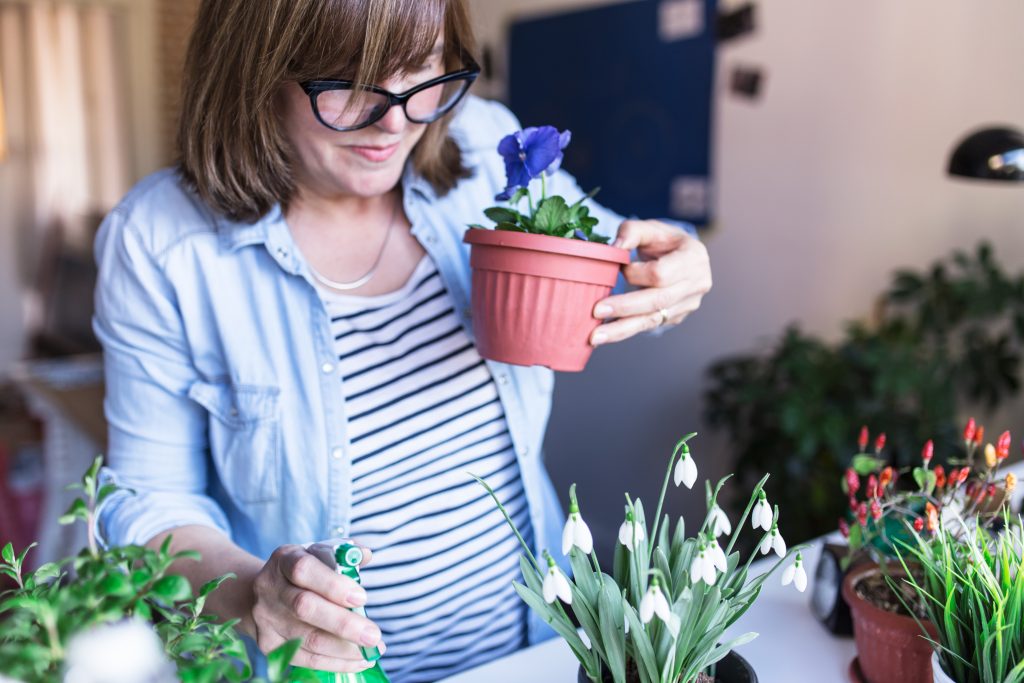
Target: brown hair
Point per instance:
(232, 148)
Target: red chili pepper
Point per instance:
(853, 504)
(927, 452)
(876, 510)
(964, 473)
(871, 490)
(862, 514)
(940, 476)
(884, 479)
(880, 443)
(980, 436)
(969, 431)
(933, 517)
(852, 481)
(862, 440)
(1003, 446)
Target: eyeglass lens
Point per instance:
(342, 109)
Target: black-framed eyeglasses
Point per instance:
(334, 107)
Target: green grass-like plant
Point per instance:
(973, 591)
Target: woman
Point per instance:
(287, 348)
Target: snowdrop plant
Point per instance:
(662, 611)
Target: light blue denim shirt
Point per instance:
(222, 385)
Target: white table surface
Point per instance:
(792, 646)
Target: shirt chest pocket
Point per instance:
(244, 436)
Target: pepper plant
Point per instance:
(59, 603)
(882, 509)
(664, 608)
(532, 154)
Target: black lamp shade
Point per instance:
(991, 154)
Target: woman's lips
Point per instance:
(377, 154)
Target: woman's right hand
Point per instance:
(298, 596)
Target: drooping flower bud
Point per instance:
(969, 431)
(940, 476)
(862, 514)
(876, 510)
(854, 503)
(844, 528)
(927, 452)
(862, 440)
(871, 490)
(880, 443)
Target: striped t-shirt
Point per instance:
(423, 411)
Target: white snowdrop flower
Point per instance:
(719, 521)
(686, 469)
(774, 541)
(703, 567)
(556, 585)
(762, 514)
(795, 574)
(655, 603)
(123, 652)
(631, 532)
(576, 532)
(717, 555)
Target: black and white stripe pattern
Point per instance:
(423, 411)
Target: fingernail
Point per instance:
(599, 338)
(382, 647)
(602, 311)
(357, 598)
(369, 636)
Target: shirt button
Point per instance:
(338, 531)
(503, 379)
(467, 313)
(336, 453)
(327, 368)
(282, 252)
(524, 451)
(429, 238)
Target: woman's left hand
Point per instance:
(673, 271)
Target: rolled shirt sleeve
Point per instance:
(157, 436)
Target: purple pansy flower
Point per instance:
(530, 152)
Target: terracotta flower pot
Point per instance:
(890, 646)
(534, 296)
(731, 669)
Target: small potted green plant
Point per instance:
(538, 274)
(117, 615)
(661, 614)
(972, 587)
(884, 513)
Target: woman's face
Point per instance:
(361, 163)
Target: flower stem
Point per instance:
(746, 513)
(664, 489)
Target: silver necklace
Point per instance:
(363, 279)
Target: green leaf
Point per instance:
(280, 658)
(500, 215)
(561, 624)
(8, 553)
(864, 464)
(116, 584)
(173, 588)
(213, 584)
(613, 634)
(552, 214)
(77, 510)
(105, 492)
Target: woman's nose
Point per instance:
(394, 120)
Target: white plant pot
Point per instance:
(938, 675)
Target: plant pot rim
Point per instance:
(856, 602)
(737, 658)
(546, 243)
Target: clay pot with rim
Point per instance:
(534, 296)
(890, 646)
(730, 669)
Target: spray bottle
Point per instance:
(344, 558)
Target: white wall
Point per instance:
(829, 182)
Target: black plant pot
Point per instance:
(731, 669)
